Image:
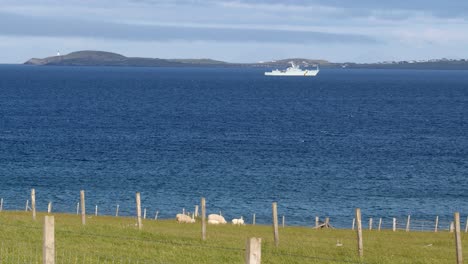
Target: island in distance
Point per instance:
(104, 58)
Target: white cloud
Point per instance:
(395, 24)
(432, 35)
(311, 9)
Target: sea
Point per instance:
(391, 142)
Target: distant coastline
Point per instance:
(104, 58)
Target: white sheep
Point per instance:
(239, 221)
(213, 222)
(218, 218)
(181, 218)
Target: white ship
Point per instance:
(294, 70)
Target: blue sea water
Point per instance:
(392, 142)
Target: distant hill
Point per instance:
(199, 61)
(104, 58)
(437, 64)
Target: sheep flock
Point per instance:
(213, 219)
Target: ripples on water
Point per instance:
(391, 142)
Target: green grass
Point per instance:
(117, 240)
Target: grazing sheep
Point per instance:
(213, 222)
(181, 218)
(218, 218)
(238, 221)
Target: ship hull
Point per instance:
(298, 73)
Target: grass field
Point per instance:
(108, 239)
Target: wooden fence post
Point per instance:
(458, 242)
(156, 215)
(380, 223)
(1, 205)
(27, 206)
(394, 224)
(283, 222)
(317, 222)
(359, 232)
(275, 223)
(33, 203)
(117, 211)
(370, 223)
(196, 210)
(253, 220)
(138, 207)
(436, 224)
(253, 251)
(49, 208)
(354, 223)
(203, 218)
(96, 210)
(408, 223)
(451, 227)
(327, 222)
(466, 225)
(144, 213)
(48, 244)
(77, 208)
(83, 207)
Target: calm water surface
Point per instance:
(391, 142)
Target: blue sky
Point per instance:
(237, 30)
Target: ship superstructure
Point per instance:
(294, 70)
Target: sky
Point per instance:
(237, 30)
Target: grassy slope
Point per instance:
(107, 239)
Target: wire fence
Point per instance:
(23, 244)
(415, 225)
(126, 209)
